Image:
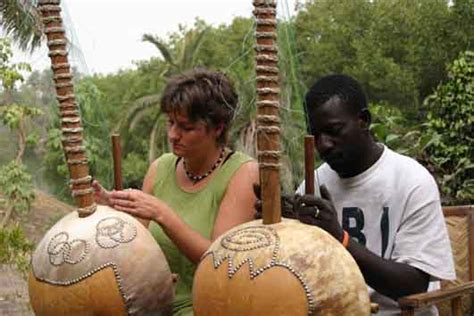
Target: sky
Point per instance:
(107, 33)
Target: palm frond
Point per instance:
(192, 45)
(155, 133)
(139, 107)
(162, 47)
(138, 118)
(20, 20)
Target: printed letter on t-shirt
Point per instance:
(353, 223)
(384, 228)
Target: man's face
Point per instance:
(339, 136)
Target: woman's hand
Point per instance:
(101, 195)
(139, 204)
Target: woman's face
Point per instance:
(188, 139)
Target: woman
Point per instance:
(201, 189)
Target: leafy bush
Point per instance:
(451, 122)
(16, 186)
(15, 248)
(391, 127)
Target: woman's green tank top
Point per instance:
(198, 209)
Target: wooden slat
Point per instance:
(470, 220)
(461, 210)
(430, 298)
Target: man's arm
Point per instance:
(390, 278)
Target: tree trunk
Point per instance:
(21, 140)
(7, 96)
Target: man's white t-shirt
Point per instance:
(394, 209)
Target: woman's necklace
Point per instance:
(196, 178)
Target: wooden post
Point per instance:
(71, 127)
(268, 105)
(309, 164)
(456, 306)
(117, 157)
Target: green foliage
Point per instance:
(13, 114)
(10, 73)
(393, 129)
(180, 51)
(15, 248)
(451, 119)
(97, 131)
(119, 93)
(96, 140)
(134, 169)
(21, 20)
(396, 49)
(16, 186)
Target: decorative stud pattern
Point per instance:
(252, 238)
(113, 231)
(118, 279)
(61, 250)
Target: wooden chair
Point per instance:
(455, 297)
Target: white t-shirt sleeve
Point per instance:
(300, 189)
(422, 239)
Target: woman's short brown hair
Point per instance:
(202, 94)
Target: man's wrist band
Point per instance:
(345, 239)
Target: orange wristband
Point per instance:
(345, 239)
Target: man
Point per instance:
(386, 202)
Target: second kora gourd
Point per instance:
(288, 268)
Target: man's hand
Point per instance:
(319, 212)
(287, 204)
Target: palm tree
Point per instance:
(179, 55)
(20, 20)
(182, 54)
